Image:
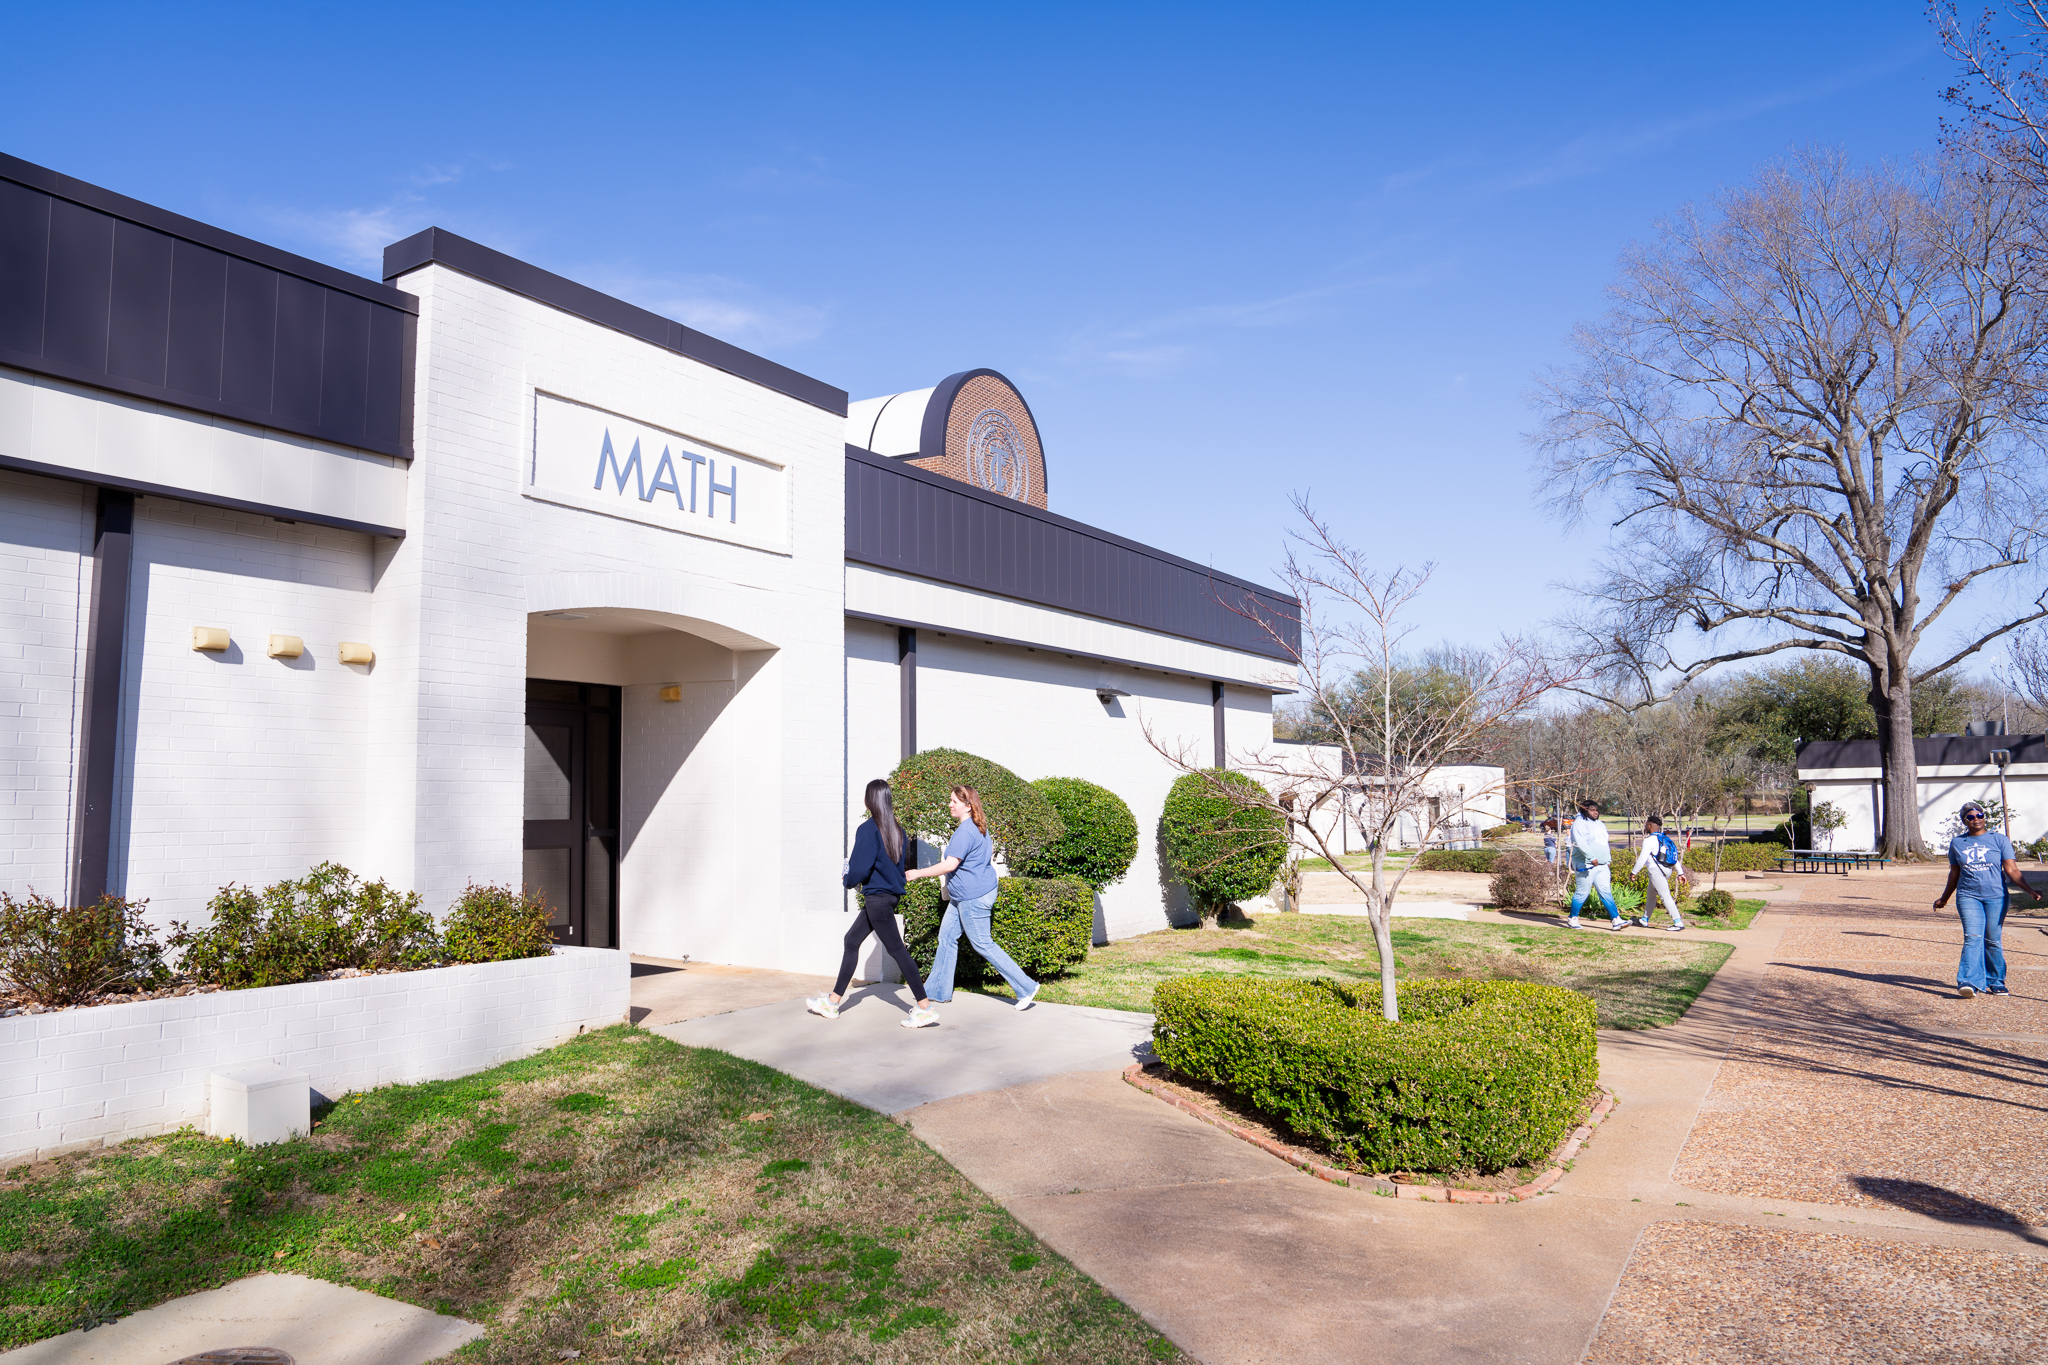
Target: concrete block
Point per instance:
(259, 1103)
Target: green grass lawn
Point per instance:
(1637, 981)
(620, 1197)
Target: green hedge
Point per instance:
(1101, 840)
(1021, 822)
(1047, 926)
(1739, 856)
(1456, 860)
(59, 955)
(1222, 841)
(496, 923)
(1478, 1075)
(298, 928)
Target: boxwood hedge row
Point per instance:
(1478, 1075)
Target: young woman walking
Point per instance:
(972, 888)
(880, 848)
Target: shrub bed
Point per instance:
(1478, 1075)
(1456, 860)
(496, 924)
(1046, 925)
(1500, 831)
(1738, 856)
(57, 955)
(299, 928)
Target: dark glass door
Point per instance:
(572, 801)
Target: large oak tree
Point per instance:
(1812, 415)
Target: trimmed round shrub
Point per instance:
(1222, 843)
(1046, 925)
(1021, 822)
(1456, 860)
(1736, 856)
(59, 955)
(1520, 881)
(496, 923)
(1478, 1075)
(1101, 839)
(1717, 904)
(1501, 831)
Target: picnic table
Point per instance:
(1821, 860)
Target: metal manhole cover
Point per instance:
(238, 1355)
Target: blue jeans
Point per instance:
(1983, 964)
(972, 917)
(1594, 879)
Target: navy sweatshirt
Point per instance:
(870, 868)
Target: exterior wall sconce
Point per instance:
(213, 639)
(1106, 695)
(673, 692)
(355, 652)
(286, 647)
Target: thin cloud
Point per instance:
(728, 309)
(354, 238)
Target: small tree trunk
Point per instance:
(1382, 913)
(1902, 837)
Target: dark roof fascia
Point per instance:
(1039, 646)
(177, 225)
(897, 465)
(1929, 751)
(438, 245)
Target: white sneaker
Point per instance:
(822, 1006)
(1966, 992)
(1573, 923)
(1678, 928)
(1026, 1002)
(921, 1016)
(1616, 923)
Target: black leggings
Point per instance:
(877, 916)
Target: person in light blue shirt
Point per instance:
(969, 869)
(1591, 857)
(1980, 864)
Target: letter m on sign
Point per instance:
(608, 458)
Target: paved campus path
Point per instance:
(1826, 1160)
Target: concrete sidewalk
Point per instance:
(982, 1044)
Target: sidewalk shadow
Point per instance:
(1917, 1196)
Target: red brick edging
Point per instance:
(1441, 1194)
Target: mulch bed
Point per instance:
(1219, 1108)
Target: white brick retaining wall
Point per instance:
(87, 1077)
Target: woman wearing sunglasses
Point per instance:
(1980, 864)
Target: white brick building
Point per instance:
(476, 574)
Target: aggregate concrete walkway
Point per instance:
(312, 1321)
(982, 1044)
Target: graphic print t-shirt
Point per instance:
(1980, 857)
(976, 875)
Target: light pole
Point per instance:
(2003, 758)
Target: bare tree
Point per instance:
(1381, 765)
(1804, 407)
(1662, 760)
(2003, 92)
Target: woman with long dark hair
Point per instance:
(880, 849)
(971, 888)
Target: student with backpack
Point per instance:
(1661, 857)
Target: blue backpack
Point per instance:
(1667, 850)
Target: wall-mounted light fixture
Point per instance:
(214, 639)
(356, 652)
(1106, 695)
(673, 692)
(286, 647)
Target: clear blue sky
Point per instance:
(1227, 254)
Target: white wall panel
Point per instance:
(45, 572)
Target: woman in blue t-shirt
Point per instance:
(1979, 865)
(971, 888)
